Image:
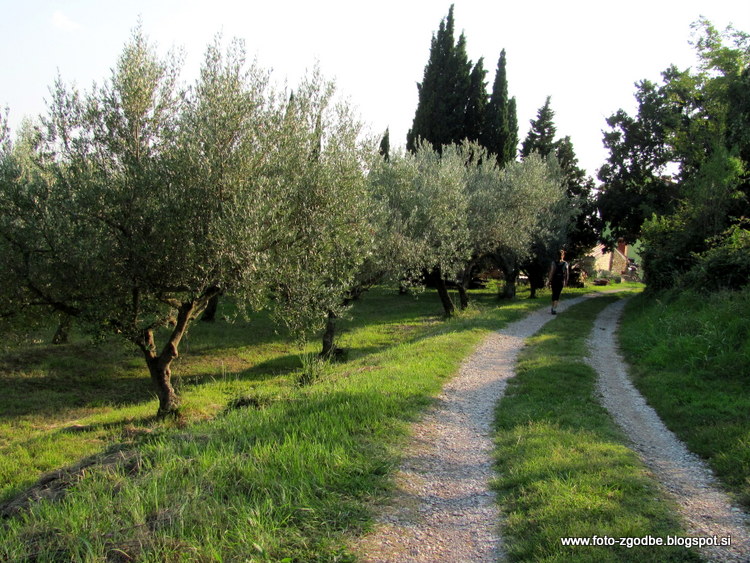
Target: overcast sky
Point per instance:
(585, 54)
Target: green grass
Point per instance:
(289, 475)
(564, 467)
(690, 357)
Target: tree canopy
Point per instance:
(454, 105)
(677, 174)
(137, 202)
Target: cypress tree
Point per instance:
(459, 84)
(541, 136)
(443, 92)
(511, 146)
(500, 132)
(477, 103)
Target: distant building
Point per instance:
(614, 262)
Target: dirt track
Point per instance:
(706, 510)
(443, 509)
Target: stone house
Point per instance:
(614, 262)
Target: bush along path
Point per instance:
(706, 510)
(443, 508)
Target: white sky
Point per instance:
(586, 54)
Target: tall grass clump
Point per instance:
(690, 357)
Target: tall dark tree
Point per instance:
(635, 180)
(584, 233)
(500, 132)
(476, 104)
(511, 147)
(443, 92)
(541, 136)
(385, 145)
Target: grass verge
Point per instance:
(690, 357)
(564, 467)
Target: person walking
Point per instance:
(558, 278)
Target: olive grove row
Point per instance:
(130, 206)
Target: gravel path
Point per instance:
(443, 509)
(706, 510)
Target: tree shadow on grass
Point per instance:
(52, 380)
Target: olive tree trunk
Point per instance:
(510, 275)
(442, 290)
(463, 286)
(209, 315)
(63, 329)
(329, 335)
(159, 363)
(161, 377)
(509, 268)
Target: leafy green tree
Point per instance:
(20, 182)
(583, 232)
(635, 179)
(500, 131)
(425, 198)
(676, 174)
(443, 93)
(326, 210)
(738, 115)
(140, 202)
(538, 188)
(674, 242)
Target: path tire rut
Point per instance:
(443, 509)
(705, 509)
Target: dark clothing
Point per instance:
(558, 278)
(556, 290)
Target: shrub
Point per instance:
(668, 251)
(725, 266)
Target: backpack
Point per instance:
(560, 270)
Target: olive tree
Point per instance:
(150, 200)
(325, 207)
(514, 206)
(427, 207)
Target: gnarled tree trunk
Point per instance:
(442, 290)
(463, 286)
(159, 364)
(161, 376)
(510, 275)
(63, 329)
(329, 348)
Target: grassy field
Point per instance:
(564, 466)
(260, 468)
(690, 356)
